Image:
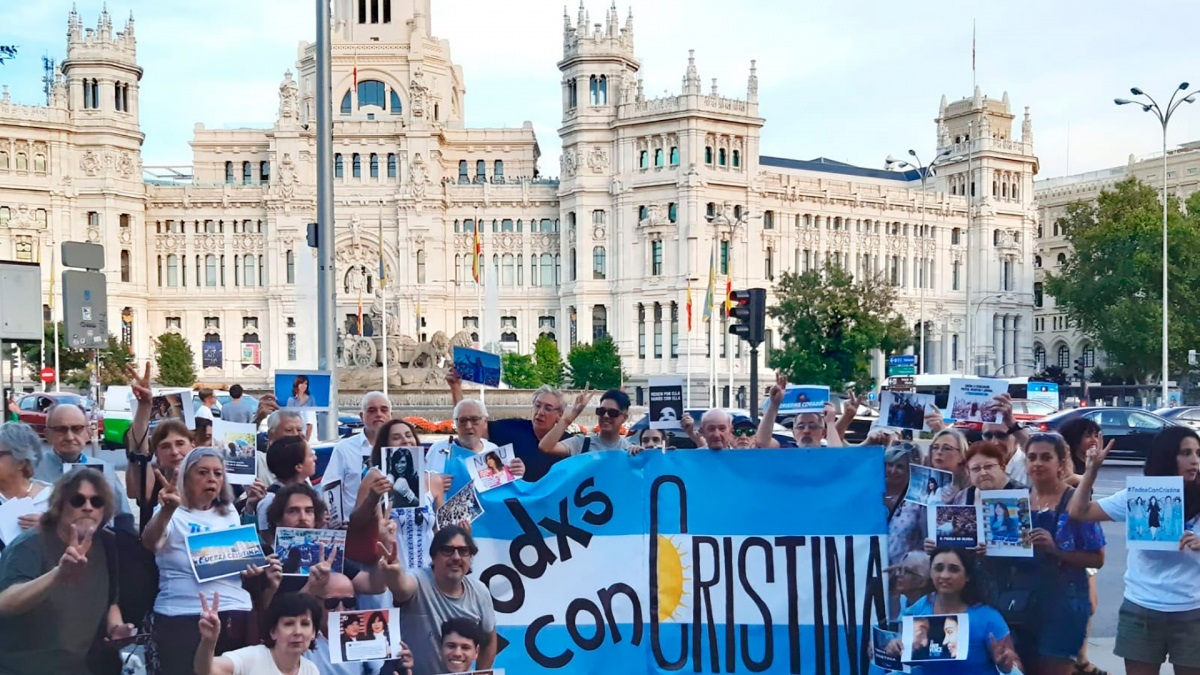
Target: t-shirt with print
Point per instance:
(257, 660)
(1164, 581)
(574, 445)
(519, 434)
(178, 590)
(983, 623)
(53, 636)
(421, 618)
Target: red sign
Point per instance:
(47, 375)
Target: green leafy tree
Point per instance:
(175, 360)
(1111, 288)
(73, 364)
(597, 366)
(548, 361)
(829, 323)
(1052, 374)
(519, 371)
(115, 361)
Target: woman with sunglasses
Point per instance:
(1160, 616)
(198, 500)
(58, 582)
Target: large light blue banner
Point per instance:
(746, 561)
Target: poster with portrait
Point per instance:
(1006, 522)
(405, 467)
(666, 402)
(954, 525)
(934, 637)
(480, 367)
(927, 485)
(367, 635)
(905, 411)
(331, 494)
(169, 404)
(302, 388)
(974, 399)
(1154, 512)
(300, 549)
(490, 468)
(237, 443)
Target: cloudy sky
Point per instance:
(851, 80)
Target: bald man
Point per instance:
(68, 431)
(716, 428)
(346, 461)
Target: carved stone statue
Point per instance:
(418, 177)
(289, 99)
(418, 93)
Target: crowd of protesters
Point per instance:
(106, 577)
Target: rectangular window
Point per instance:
(374, 165)
(656, 257)
(264, 172)
(674, 330)
(724, 269)
(768, 220)
(658, 336)
(93, 220)
(247, 173)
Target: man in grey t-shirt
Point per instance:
(611, 414)
(429, 597)
(239, 410)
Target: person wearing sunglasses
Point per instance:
(431, 596)
(744, 431)
(1011, 435)
(68, 432)
(611, 414)
(58, 582)
(810, 429)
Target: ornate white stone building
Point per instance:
(650, 190)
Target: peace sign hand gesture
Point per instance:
(778, 389)
(318, 575)
(389, 558)
(581, 404)
(210, 619)
(169, 497)
(1096, 456)
(73, 563)
(140, 385)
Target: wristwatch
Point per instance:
(137, 457)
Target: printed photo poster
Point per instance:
(331, 493)
(973, 400)
(224, 553)
(805, 398)
(464, 505)
(406, 469)
(934, 637)
(905, 411)
(480, 367)
(666, 402)
(1006, 523)
(300, 549)
(490, 469)
(302, 388)
(1154, 512)
(86, 462)
(171, 404)
(13, 509)
(927, 485)
(414, 534)
(367, 635)
(880, 639)
(954, 525)
(237, 443)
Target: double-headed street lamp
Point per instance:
(924, 171)
(1164, 118)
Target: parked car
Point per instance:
(676, 437)
(864, 419)
(1025, 412)
(118, 414)
(1186, 415)
(1132, 429)
(31, 409)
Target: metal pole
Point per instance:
(383, 298)
(754, 384)
(924, 276)
(54, 318)
(326, 276)
(970, 361)
(1165, 364)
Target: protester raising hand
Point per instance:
(169, 497)
(580, 404)
(73, 563)
(1096, 455)
(210, 620)
(140, 385)
(318, 574)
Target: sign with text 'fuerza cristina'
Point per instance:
(745, 561)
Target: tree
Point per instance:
(72, 363)
(115, 360)
(175, 360)
(597, 366)
(519, 371)
(829, 324)
(1052, 374)
(7, 52)
(1111, 288)
(548, 361)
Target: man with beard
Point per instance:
(810, 429)
(429, 597)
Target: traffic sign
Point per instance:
(901, 370)
(903, 360)
(47, 375)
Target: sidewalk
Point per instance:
(1100, 652)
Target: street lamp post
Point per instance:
(1164, 118)
(924, 171)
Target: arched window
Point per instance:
(498, 172)
(1062, 259)
(598, 263)
(674, 156)
(420, 266)
(391, 165)
(462, 171)
(39, 163)
(708, 154)
(1039, 358)
(346, 104)
(658, 157)
(603, 90)
(22, 162)
(480, 171)
(247, 173)
(4, 160)
(374, 165)
(1064, 357)
(644, 159)
(1089, 356)
(737, 158)
(371, 92)
(1037, 261)
(339, 169)
(125, 268)
(673, 212)
(394, 106)
(356, 165)
(721, 157)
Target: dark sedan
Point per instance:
(1132, 429)
(1187, 415)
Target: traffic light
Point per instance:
(750, 311)
(312, 235)
(1080, 370)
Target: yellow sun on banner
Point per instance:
(670, 579)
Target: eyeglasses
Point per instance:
(744, 431)
(1045, 437)
(349, 602)
(77, 501)
(547, 408)
(813, 426)
(64, 428)
(980, 468)
(462, 551)
(933, 449)
(469, 420)
(995, 435)
(608, 412)
(907, 570)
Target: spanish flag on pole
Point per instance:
(689, 305)
(356, 71)
(477, 258)
(710, 294)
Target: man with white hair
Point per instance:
(346, 461)
(716, 428)
(471, 426)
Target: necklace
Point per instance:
(1045, 502)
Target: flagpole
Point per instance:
(480, 277)
(42, 366)
(54, 319)
(383, 297)
(687, 397)
(728, 306)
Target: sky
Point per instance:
(851, 80)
